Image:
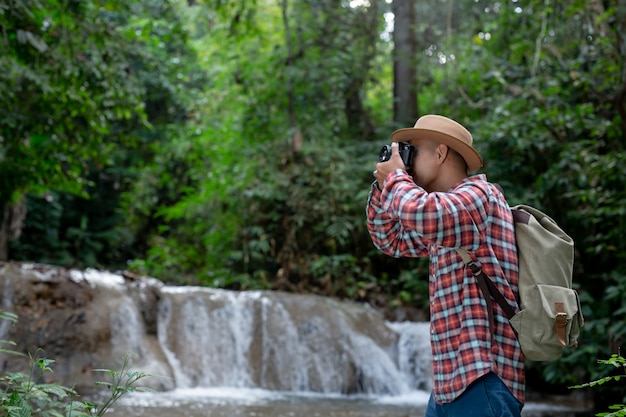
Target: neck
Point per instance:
(447, 180)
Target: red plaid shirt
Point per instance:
(406, 221)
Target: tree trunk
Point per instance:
(4, 233)
(405, 109)
(359, 122)
(13, 215)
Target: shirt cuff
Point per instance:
(375, 193)
(386, 196)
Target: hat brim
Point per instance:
(471, 155)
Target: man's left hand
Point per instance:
(384, 168)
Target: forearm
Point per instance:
(386, 231)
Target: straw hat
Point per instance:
(443, 130)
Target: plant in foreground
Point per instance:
(122, 382)
(618, 361)
(25, 396)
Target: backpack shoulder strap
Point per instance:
(487, 287)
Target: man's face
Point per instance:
(425, 168)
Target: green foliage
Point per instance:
(305, 222)
(619, 362)
(232, 143)
(279, 197)
(162, 82)
(11, 317)
(65, 229)
(122, 382)
(24, 395)
(551, 131)
(66, 80)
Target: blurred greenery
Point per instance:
(231, 144)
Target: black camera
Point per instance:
(406, 150)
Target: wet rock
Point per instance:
(199, 337)
(65, 316)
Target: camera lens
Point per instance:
(385, 154)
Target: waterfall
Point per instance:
(286, 342)
(414, 360)
(196, 337)
(208, 348)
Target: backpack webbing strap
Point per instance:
(488, 288)
(520, 216)
(482, 283)
(560, 322)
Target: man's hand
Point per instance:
(384, 168)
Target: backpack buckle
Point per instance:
(560, 322)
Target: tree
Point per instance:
(405, 52)
(544, 103)
(135, 77)
(66, 79)
(292, 81)
(256, 175)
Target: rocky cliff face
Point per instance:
(74, 319)
(200, 337)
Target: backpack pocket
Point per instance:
(549, 321)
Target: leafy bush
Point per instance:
(23, 395)
(619, 362)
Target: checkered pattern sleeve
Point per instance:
(406, 221)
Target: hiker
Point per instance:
(424, 203)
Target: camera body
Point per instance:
(406, 151)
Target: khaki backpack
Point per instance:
(550, 317)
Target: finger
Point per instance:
(394, 147)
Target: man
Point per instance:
(431, 210)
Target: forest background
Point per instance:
(232, 144)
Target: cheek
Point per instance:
(415, 165)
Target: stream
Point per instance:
(213, 353)
(260, 403)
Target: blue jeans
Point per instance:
(485, 397)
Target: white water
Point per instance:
(262, 354)
(259, 403)
(195, 337)
(238, 402)
(268, 354)
(279, 342)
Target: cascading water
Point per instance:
(220, 353)
(414, 359)
(195, 337)
(280, 342)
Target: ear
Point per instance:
(441, 152)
